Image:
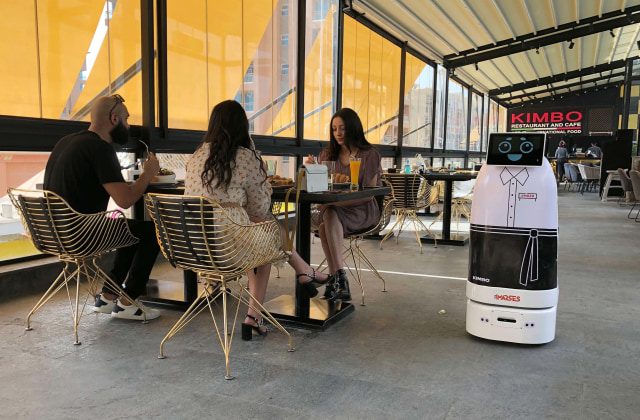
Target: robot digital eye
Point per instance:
(504, 147)
(526, 147)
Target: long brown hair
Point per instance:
(228, 130)
(353, 133)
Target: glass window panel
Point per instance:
(371, 81)
(18, 77)
(475, 137)
(440, 104)
(17, 170)
(457, 116)
(219, 50)
(418, 103)
(502, 119)
(116, 66)
(320, 72)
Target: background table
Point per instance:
(298, 310)
(448, 178)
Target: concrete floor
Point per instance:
(395, 358)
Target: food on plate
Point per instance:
(340, 178)
(165, 171)
(277, 181)
(164, 175)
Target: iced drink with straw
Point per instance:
(354, 164)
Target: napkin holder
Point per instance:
(313, 178)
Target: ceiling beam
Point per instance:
(565, 86)
(544, 37)
(509, 105)
(558, 78)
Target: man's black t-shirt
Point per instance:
(78, 166)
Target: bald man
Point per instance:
(83, 168)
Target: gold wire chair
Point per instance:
(214, 241)
(460, 203)
(75, 238)
(411, 193)
(357, 254)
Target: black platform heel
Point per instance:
(342, 293)
(309, 287)
(248, 329)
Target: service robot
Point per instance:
(512, 288)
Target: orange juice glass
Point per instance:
(354, 164)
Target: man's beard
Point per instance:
(119, 134)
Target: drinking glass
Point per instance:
(331, 168)
(354, 164)
(272, 166)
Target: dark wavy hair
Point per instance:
(353, 133)
(228, 130)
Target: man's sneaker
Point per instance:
(104, 305)
(133, 312)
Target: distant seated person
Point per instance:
(594, 151)
(83, 169)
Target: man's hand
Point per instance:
(151, 166)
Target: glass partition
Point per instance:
(70, 52)
(371, 81)
(475, 137)
(418, 103)
(320, 67)
(440, 107)
(219, 50)
(457, 105)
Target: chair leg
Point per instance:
(205, 300)
(391, 230)
(55, 287)
(356, 265)
(363, 256)
(417, 223)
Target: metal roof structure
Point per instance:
(518, 51)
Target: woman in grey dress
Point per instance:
(339, 219)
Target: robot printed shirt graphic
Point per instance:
(515, 225)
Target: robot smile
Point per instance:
(514, 157)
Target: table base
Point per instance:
(454, 239)
(322, 314)
(169, 294)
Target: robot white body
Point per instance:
(512, 288)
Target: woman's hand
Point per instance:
(310, 160)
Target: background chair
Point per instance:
(590, 177)
(572, 174)
(460, 202)
(627, 188)
(635, 183)
(216, 242)
(78, 240)
(411, 193)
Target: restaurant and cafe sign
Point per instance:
(569, 121)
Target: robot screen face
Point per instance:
(516, 149)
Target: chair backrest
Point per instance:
(463, 188)
(635, 183)
(591, 173)
(411, 191)
(625, 181)
(200, 235)
(572, 172)
(582, 171)
(55, 228)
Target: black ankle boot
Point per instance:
(342, 292)
(330, 289)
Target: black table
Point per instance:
(298, 310)
(448, 178)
